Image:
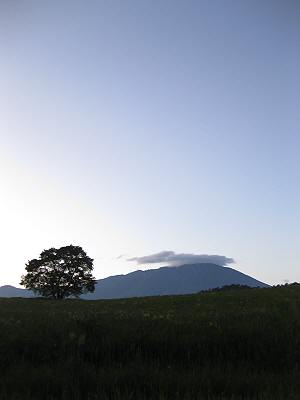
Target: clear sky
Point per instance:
(130, 127)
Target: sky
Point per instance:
(135, 127)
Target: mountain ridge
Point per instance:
(182, 279)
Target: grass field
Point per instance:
(234, 344)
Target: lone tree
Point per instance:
(60, 273)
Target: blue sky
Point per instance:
(133, 127)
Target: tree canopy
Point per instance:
(60, 273)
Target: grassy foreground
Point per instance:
(235, 344)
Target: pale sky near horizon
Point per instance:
(132, 127)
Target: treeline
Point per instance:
(229, 287)
(228, 344)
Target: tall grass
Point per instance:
(236, 344)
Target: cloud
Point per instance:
(172, 259)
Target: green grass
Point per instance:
(234, 344)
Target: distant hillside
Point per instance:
(11, 291)
(185, 279)
(191, 278)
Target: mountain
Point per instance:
(190, 278)
(11, 291)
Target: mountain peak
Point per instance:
(183, 279)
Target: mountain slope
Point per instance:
(190, 278)
(11, 291)
(185, 279)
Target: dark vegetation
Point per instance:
(60, 273)
(228, 344)
(230, 287)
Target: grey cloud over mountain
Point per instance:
(172, 259)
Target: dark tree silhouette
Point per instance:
(60, 273)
